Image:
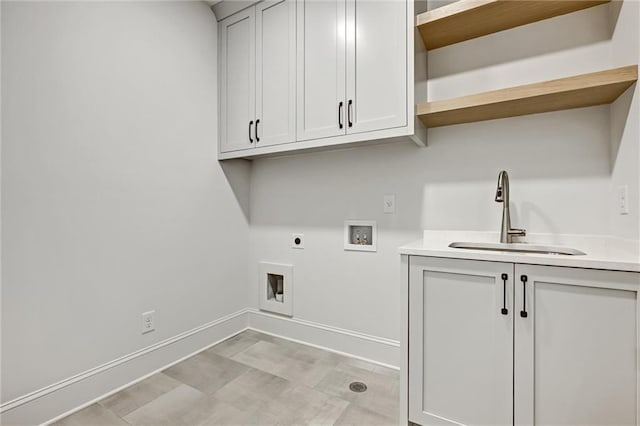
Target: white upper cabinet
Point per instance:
(257, 76)
(321, 69)
(275, 72)
(376, 65)
(352, 67)
(300, 74)
(237, 79)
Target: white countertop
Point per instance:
(601, 252)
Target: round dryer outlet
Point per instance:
(297, 241)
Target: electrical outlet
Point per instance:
(389, 203)
(623, 199)
(148, 323)
(297, 241)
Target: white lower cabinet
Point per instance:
(460, 343)
(576, 351)
(500, 343)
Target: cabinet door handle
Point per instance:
(250, 124)
(257, 138)
(349, 108)
(340, 115)
(523, 312)
(504, 310)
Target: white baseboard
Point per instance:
(69, 395)
(374, 349)
(60, 399)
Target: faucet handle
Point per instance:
(518, 232)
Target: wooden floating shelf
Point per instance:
(584, 90)
(467, 19)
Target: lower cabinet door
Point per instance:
(460, 342)
(576, 346)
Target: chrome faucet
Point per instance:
(502, 196)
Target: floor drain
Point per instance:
(358, 387)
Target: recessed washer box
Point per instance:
(276, 288)
(360, 235)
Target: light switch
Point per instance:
(148, 322)
(389, 203)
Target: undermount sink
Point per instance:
(517, 248)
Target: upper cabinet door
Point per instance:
(237, 79)
(576, 347)
(460, 342)
(321, 69)
(275, 72)
(376, 65)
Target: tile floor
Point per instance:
(253, 379)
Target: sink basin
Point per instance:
(517, 248)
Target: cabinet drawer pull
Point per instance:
(340, 115)
(504, 310)
(349, 108)
(257, 138)
(523, 312)
(250, 124)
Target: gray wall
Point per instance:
(112, 201)
(565, 169)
